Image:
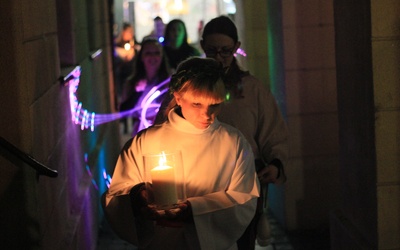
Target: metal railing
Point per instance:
(11, 152)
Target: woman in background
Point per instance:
(150, 69)
(176, 44)
(125, 50)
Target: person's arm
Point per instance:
(117, 202)
(272, 139)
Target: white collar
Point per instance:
(181, 124)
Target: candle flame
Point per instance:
(163, 160)
(162, 163)
(127, 46)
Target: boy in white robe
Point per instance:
(219, 172)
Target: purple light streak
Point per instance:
(89, 120)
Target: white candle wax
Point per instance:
(164, 188)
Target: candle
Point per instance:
(164, 188)
(127, 46)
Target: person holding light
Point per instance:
(125, 50)
(251, 108)
(219, 173)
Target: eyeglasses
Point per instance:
(222, 52)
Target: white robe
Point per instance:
(258, 117)
(221, 185)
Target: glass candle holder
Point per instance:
(164, 179)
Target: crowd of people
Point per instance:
(139, 67)
(231, 134)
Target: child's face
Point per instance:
(198, 110)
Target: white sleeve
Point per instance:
(222, 217)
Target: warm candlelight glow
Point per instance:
(163, 159)
(163, 180)
(177, 7)
(127, 46)
(161, 168)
